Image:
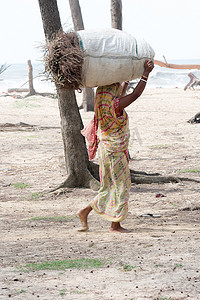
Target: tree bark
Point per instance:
(76, 15)
(116, 14)
(88, 93)
(88, 99)
(50, 18)
(30, 79)
(76, 156)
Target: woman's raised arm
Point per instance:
(128, 99)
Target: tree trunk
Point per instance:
(76, 14)
(75, 150)
(88, 99)
(50, 18)
(116, 14)
(88, 93)
(76, 157)
(30, 79)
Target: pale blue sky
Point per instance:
(170, 26)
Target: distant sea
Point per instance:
(16, 76)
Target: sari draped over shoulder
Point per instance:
(109, 130)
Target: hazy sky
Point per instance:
(171, 27)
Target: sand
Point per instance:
(159, 259)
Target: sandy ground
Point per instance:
(159, 259)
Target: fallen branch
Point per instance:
(175, 66)
(17, 90)
(194, 81)
(23, 127)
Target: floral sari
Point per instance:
(110, 131)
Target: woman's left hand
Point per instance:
(148, 67)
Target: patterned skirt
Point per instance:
(112, 199)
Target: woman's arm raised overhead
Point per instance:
(128, 99)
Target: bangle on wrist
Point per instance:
(143, 80)
(145, 77)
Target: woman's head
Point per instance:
(113, 89)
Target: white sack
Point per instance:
(112, 55)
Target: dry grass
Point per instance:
(64, 60)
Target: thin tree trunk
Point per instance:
(88, 93)
(76, 15)
(76, 157)
(30, 79)
(116, 14)
(88, 99)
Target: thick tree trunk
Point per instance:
(88, 93)
(116, 14)
(76, 157)
(50, 18)
(75, 150)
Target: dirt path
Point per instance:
(159, 259)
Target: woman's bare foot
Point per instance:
(83, 215)
(116, 227)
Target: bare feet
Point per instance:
(83, 214)
(116, 227)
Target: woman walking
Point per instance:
(109, 131)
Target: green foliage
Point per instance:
(127, 268)
(189, 171)
(21, 185)
(34, 196)
(79, 263)
(62, 292)
(178, 266)
(159, 265)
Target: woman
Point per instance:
(110, 130)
